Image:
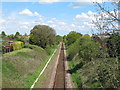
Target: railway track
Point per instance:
(59, 81)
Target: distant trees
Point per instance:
(3, 34)
(72, 37)
(11, 36)
(87, 36)
(58, 39)
(17, 34)
(42, 35)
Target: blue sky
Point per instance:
(62, 16)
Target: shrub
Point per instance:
(17, 45)
(85, 48)
(88, 50)
(73, 50)
(113, 44)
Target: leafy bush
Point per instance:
(72, 37)
(88, 50)
(73, 50)
(85, 48)
(49, 49)
(113, 44)
(17, 45)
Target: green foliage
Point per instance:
(88, 50)
(11, 36)
(85, 48)
(22, 67)
(58, 39)
(24, 54)
(49, 49)
(3, 34)
(17, 34)
(24, 39)
(27, 45)
(42, 35)
(17, 45)
(72, 37)
(73, 50)
(87, 36)
(64, 39)
(113, 44)
(94, 68)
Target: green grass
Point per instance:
(24, 54)
(21, 67)
(30, 80)
(20, 64)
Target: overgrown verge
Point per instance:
(92, 66)
(20, 68)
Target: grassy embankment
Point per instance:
(20, 68)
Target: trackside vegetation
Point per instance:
(94, 66)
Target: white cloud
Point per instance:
(2, 21)
(23, 25)
(84, 21)
(29, 13)
(26, 12)
(85, 16)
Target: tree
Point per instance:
(25, 34)
(17, 34)
(107, 19)
(58, 39)
(72, 37)
(113, 44)
(87, 36)
(88, 49)
(3, 34)
(42, 35)
(11, 36)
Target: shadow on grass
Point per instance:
(77, 67)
